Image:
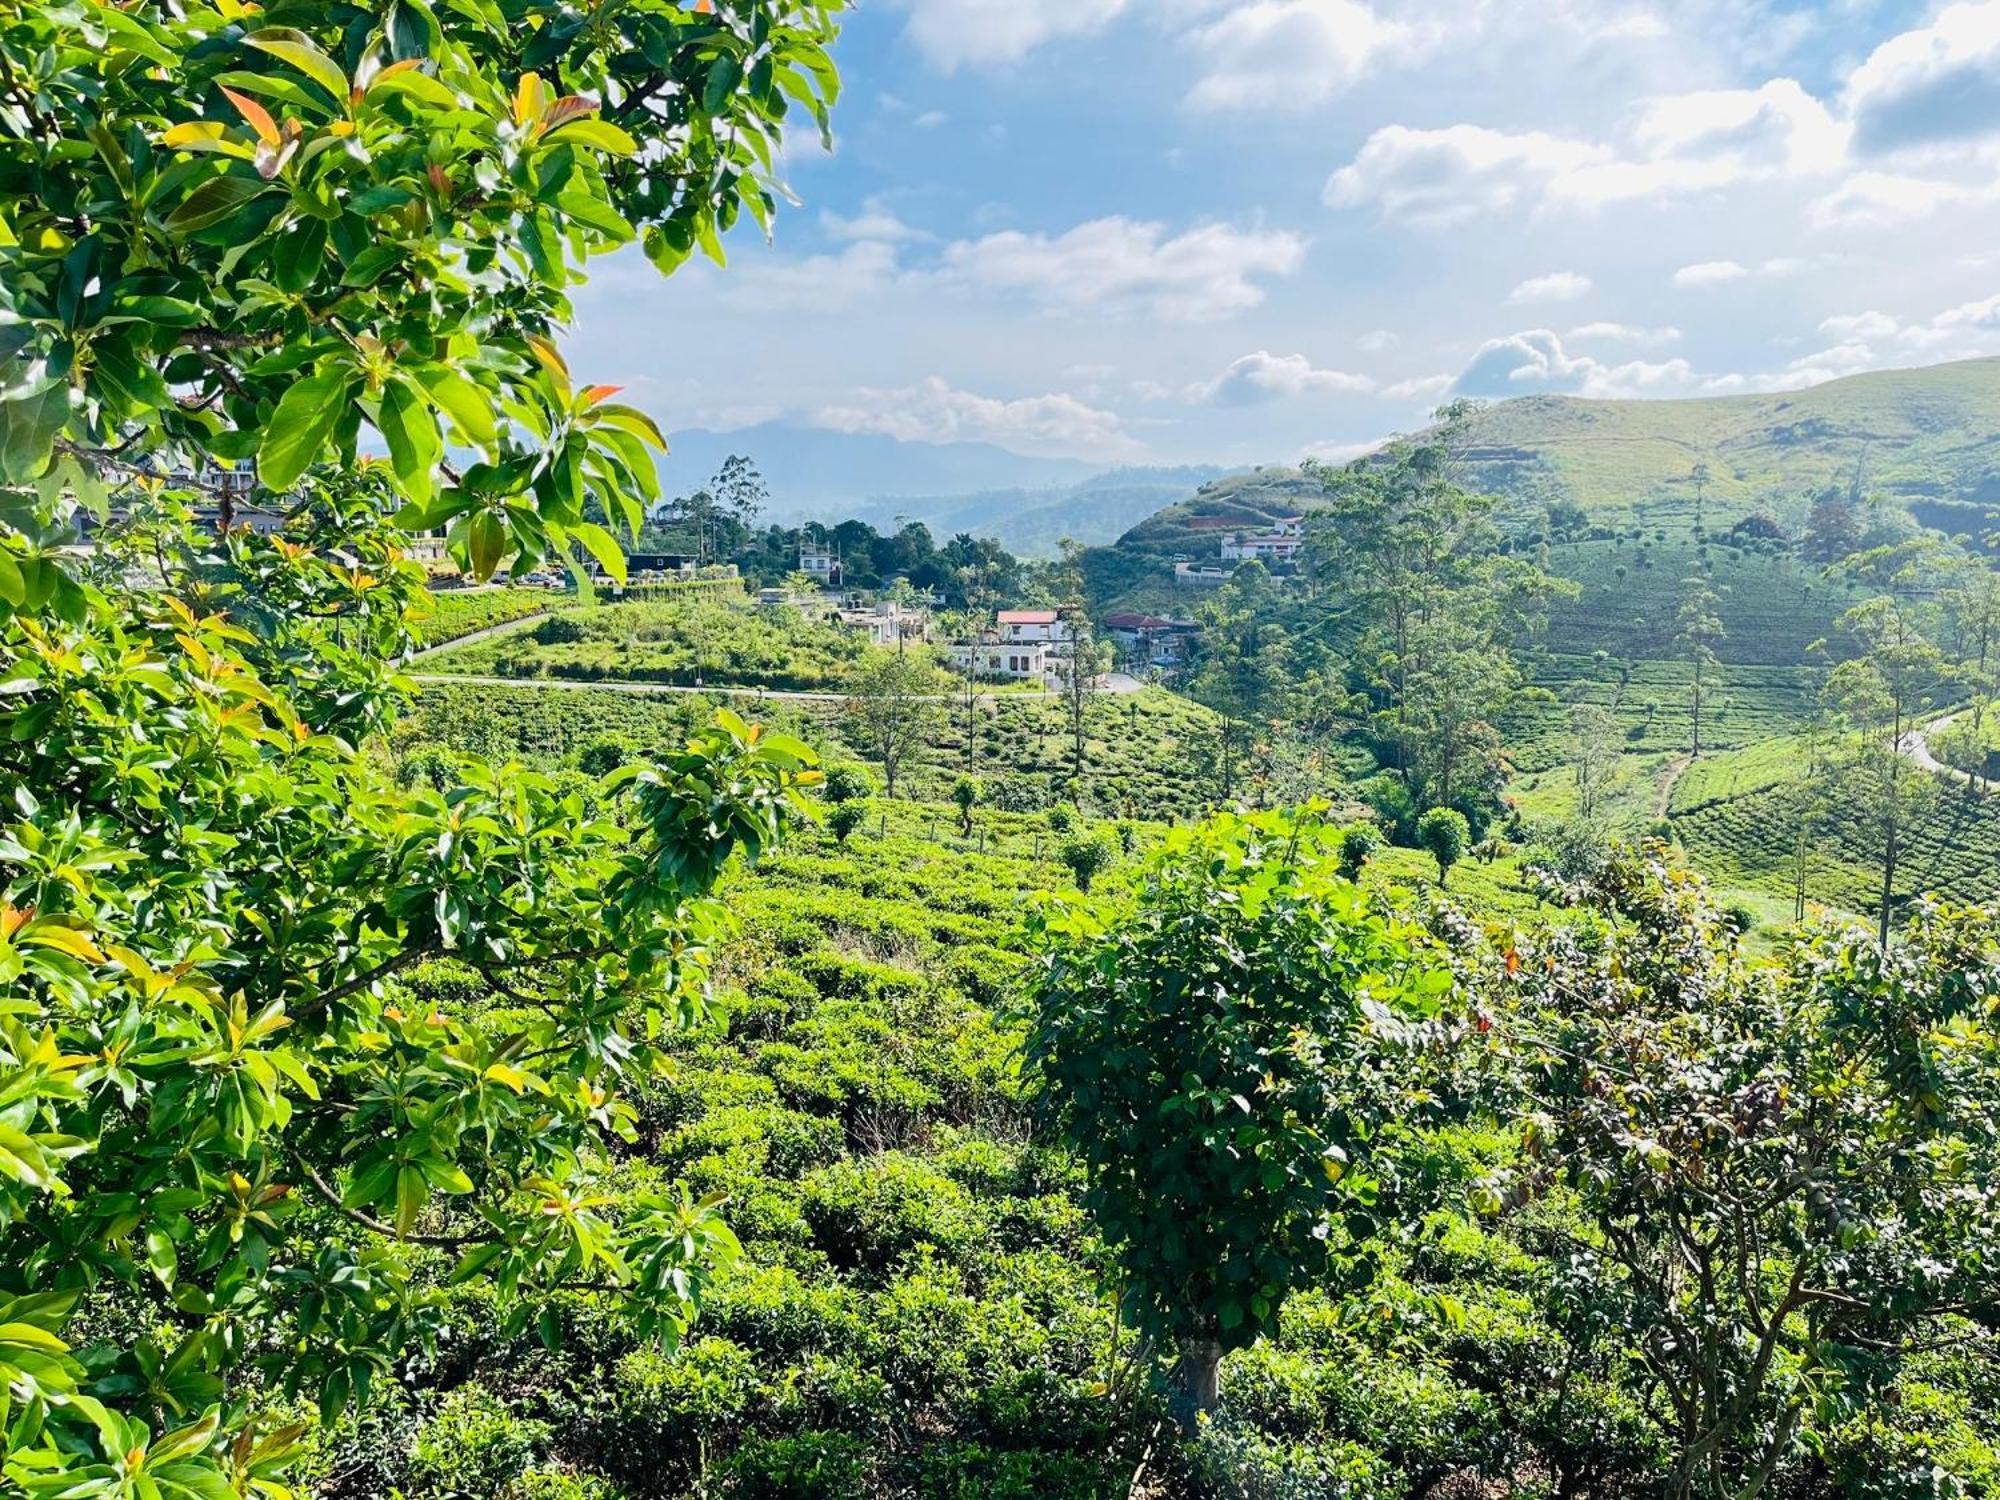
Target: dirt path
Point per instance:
(620, 685)
(1670, 777)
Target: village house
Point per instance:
(820, 563)
(1148, 640)
(1034, 626)
(1280, 544)
(1189, 575)
(887, 623)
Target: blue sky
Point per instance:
(1189, 230)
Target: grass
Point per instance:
(1919, 435)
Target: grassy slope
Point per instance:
(1918, 434)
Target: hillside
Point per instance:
(1929, 437)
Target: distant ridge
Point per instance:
(1929, 437)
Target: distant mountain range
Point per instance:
(1928, 437)
(1027, 504)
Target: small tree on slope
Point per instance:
(1211, 1058)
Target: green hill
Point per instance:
(1928, 437)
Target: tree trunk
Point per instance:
(1197, 1382)
(1888, 887)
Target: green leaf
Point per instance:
(212, 202)
(411, 1195)
(160, 1256)
(28, 428)
(723, 76)
(415, 445)
(469, 407)
(298, 49)
(301, 427)
(602, 546)
(593, 132)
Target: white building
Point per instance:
(990, 657)
(1031, 626)
(888, 623)
(819, 562)
(1280, 544)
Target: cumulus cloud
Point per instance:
(1676, 144)
(1881, 199)
(1864, 325)
(874, 222)
(956, 33)
(934, 411)
(1124, 265)
(1717, 272)
(1556, 286)
(1263, 376)
(824, 283)
(1535, 361)
(1377, 341)
(1626, 333)
(1291, 53)
(1935, 84)
(1437, 178)
(1418, 386)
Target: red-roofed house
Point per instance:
(1148, 640)
(1022, 626)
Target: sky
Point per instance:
(1245, 231)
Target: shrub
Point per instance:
(1357, 847)
(1062, 818)
(848, 783)
(604, 755)
(1086, 856)
(1392, 802)
(1739, 916)
(1442, 833)
(805, 1466)
(472, 1447)
(844, 817)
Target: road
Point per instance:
(1916, 744)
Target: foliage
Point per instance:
(1357, 846)
(1442, 834)
(1086, 855)
(1209, 1061)
(209, 899)
(890, 713)
(1786, 1170)
(848, 783)
(845, 816)
(231, 238)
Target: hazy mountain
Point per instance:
(821, 475)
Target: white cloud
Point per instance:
(1717, 272)
(1418, 386)
(1342, 453)
(1626, 333)
(1935, 84)
(1377, 341)
(1124, 265)
(1865, 325)
(1556, 286)
(823, 283)
(1535, 361)
(930, 119)
(1264, 376)
(874, 222)
(1879, 199)
(1982, 314)
(934, 411)
(1437, 178)
(1291, 54)
(954, 33)
(1675, 144)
